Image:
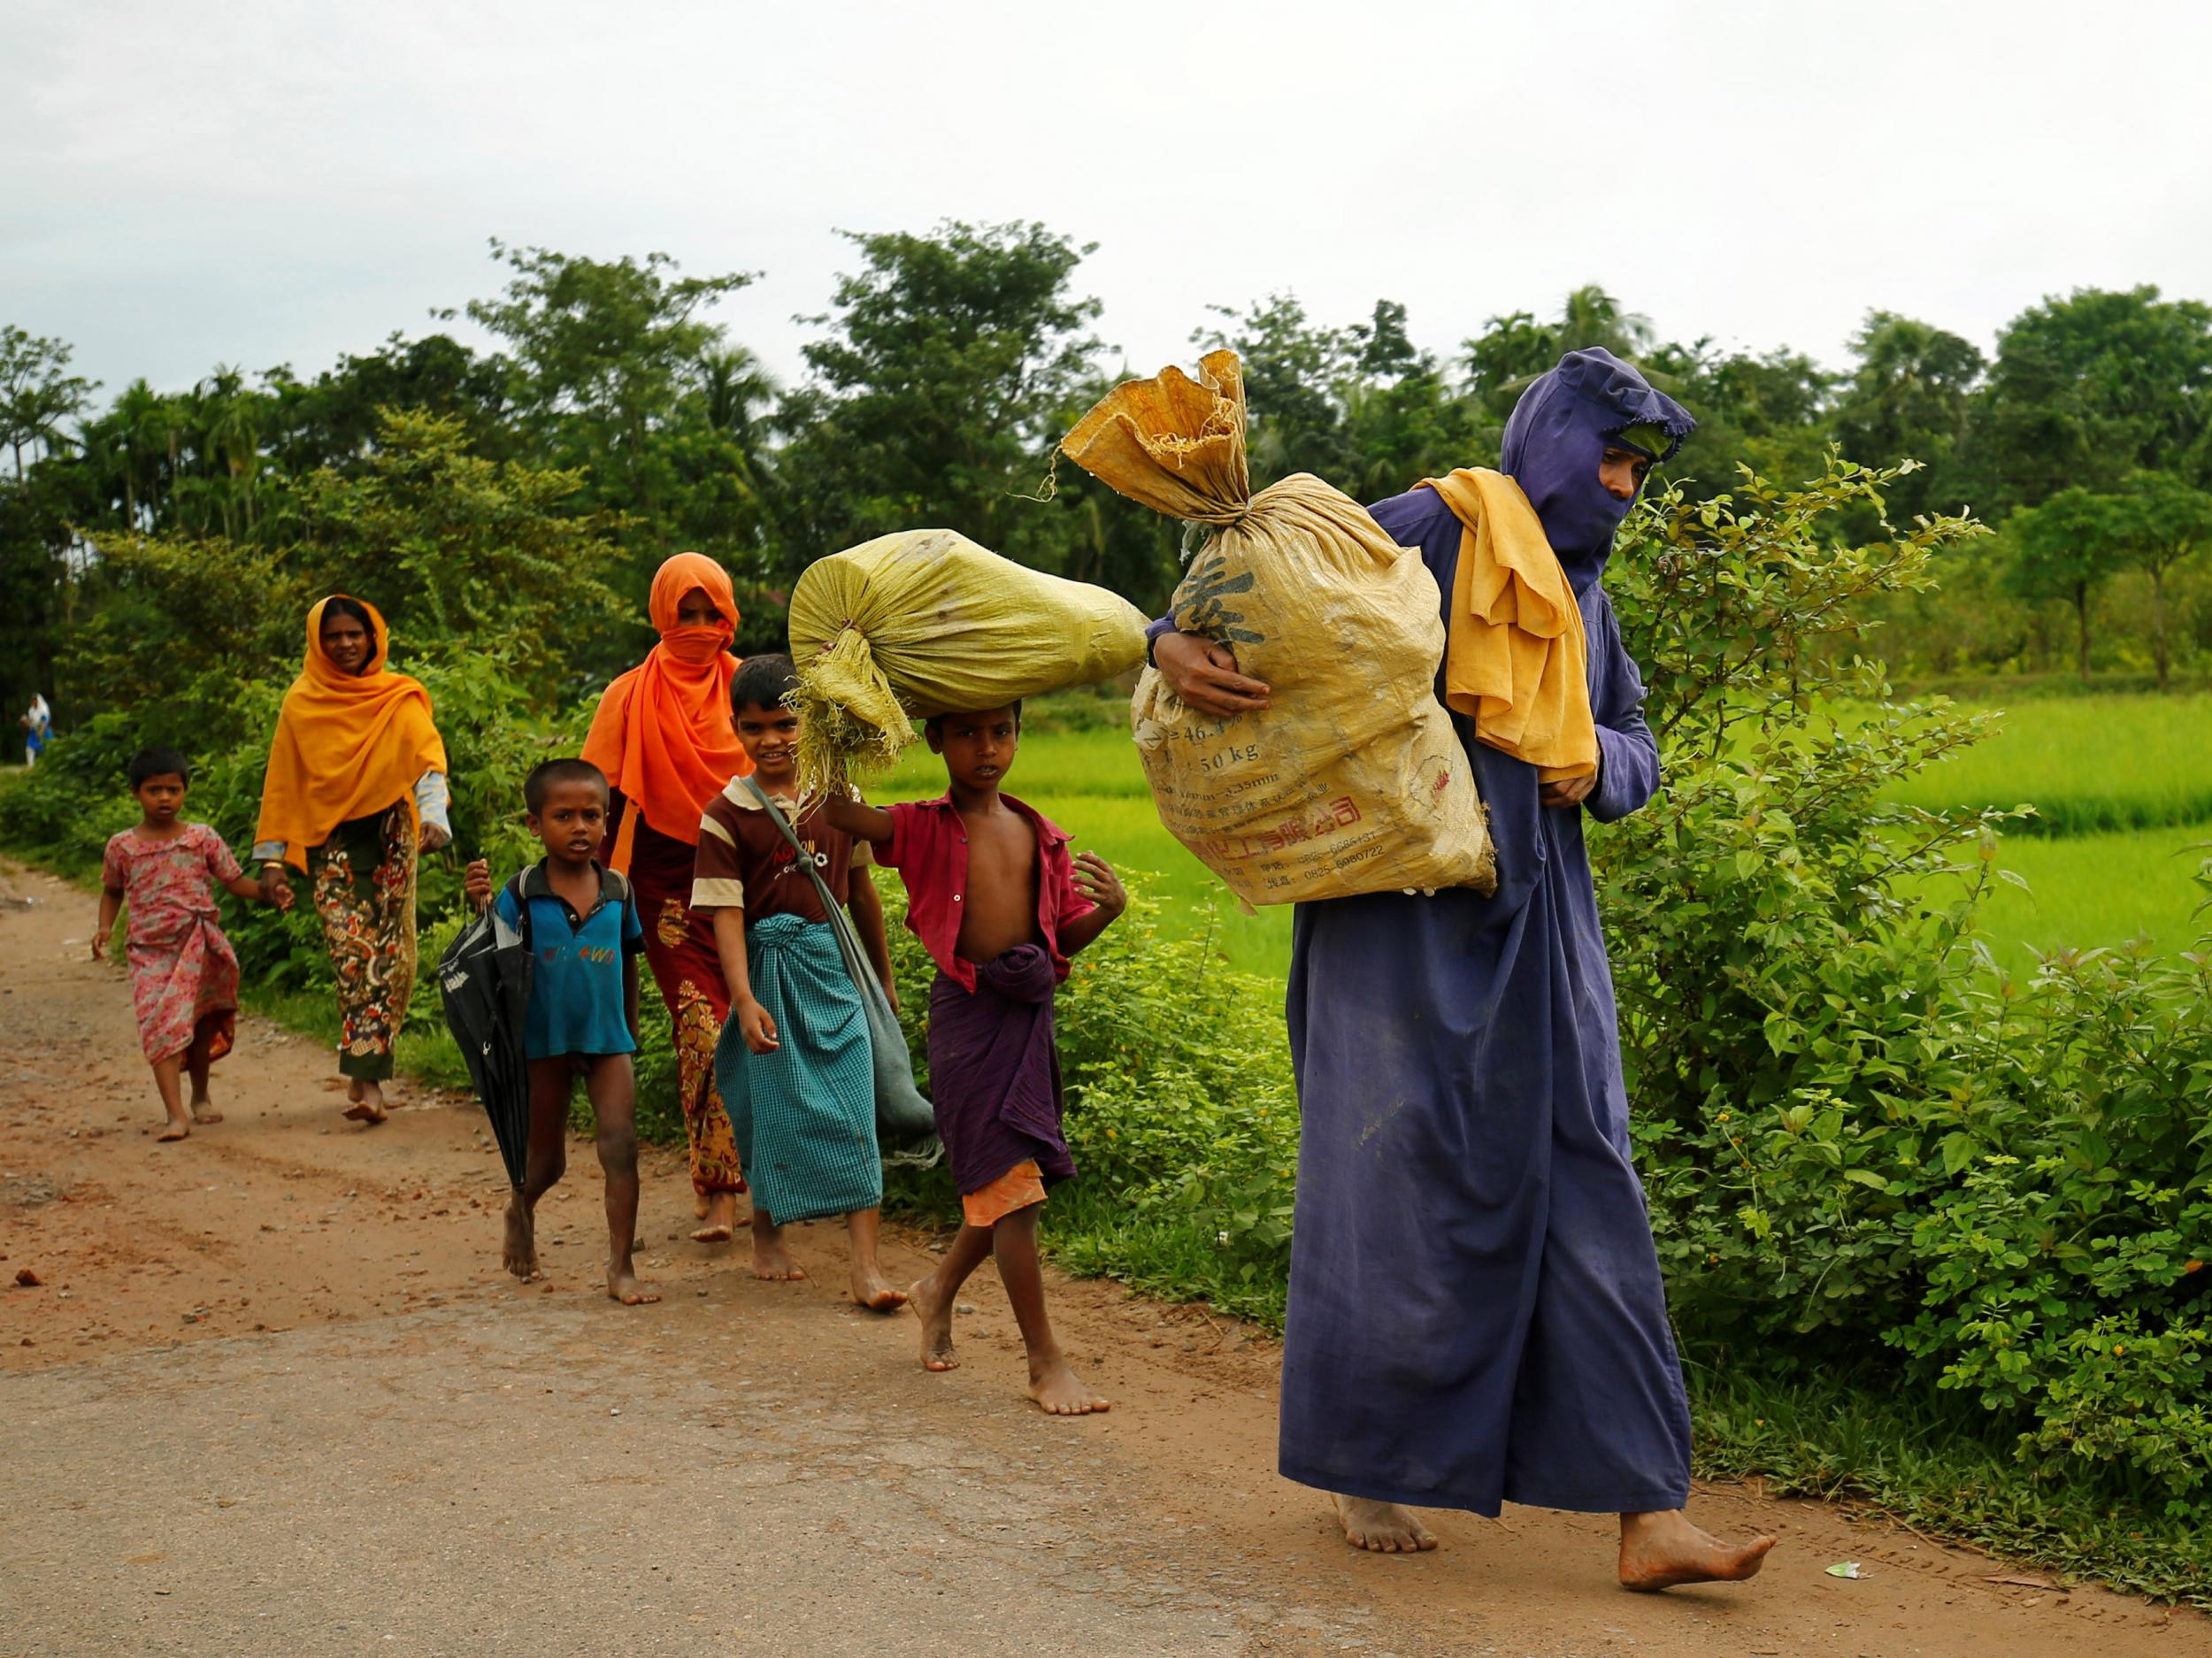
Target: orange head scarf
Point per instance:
(346, 745)
(662, 733)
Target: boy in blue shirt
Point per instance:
(582, 926)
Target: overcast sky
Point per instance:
(188, 184)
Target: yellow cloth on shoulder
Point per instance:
(346, 745)
(1515, 659)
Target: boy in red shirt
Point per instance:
(993, 895)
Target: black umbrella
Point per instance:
(484, 981)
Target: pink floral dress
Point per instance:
(184, 975)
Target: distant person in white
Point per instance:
(38, 724)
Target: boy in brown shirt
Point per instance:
(794, 1067)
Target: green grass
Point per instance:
(425, 1050)
(2090, 765)
(1928, 1463)
(2098, 892)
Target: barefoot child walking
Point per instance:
(794, 1065)
(995, 896)
(582, 926)
(184, 975)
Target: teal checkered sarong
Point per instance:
(805, 1114)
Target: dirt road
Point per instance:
(271, 1394)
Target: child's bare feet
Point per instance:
(718, 1218)
(175, 1128)
(203, 1112)
(935, 1311)
(1060, 1390)
(368, 1101)
(1384, 1528)
(520, 1255)
(1659, 1551)
(771, 1260)
(624, 1286)
(873, 1291)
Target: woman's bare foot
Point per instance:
(368, 1101)
(1659, 1551)
(873, 1291)
(520, 1254)
(203, 1112)
(1382, 1528)
(771, 1260)
(625, 1286)
(1060, 1390)
(175, 1128)
(935, 1311)
(718, 1216)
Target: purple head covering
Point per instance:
(1557, 436)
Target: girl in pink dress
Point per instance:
(184, 975)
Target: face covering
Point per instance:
(1557, 437)
(664, 734)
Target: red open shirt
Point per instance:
(929, 848)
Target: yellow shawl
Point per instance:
(346, 745)
(1515, 659)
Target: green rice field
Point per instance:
(2122, 786)
(2122, 792)
(2088, 765)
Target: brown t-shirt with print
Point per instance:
(745, 863)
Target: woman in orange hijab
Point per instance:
(665, 739)
(356, 788)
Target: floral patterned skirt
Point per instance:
(185, 990)
(680, 950)
(365, 896)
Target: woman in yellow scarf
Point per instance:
(356, 788)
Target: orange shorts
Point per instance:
(1018, 1188)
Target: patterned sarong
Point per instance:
(680, 950)
(364, 896)
(805, 1114)
(994, 1072)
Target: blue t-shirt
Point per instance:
(576, 1000)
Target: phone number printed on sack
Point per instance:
(1340, 813)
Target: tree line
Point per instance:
(946, 364)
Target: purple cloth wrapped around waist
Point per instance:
(994, 1073)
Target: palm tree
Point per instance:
(230, 437)
(1592, 317)
(145, 432)
(36, 392)
(734, 388)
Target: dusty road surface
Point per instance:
(270, 1394)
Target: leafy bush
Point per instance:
(1852, 1123)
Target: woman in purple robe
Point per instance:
(1476, 1312)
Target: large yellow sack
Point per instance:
(1352, 780)
(927, 622)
